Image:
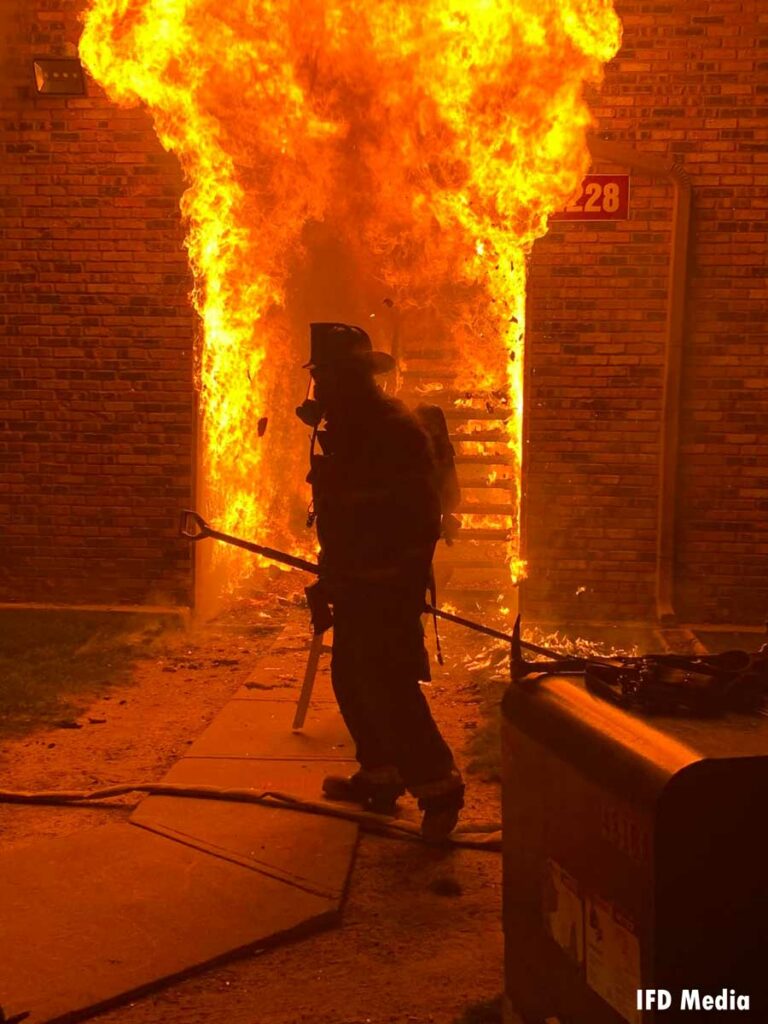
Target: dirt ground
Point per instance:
(421, 934)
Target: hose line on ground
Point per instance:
(477, 836)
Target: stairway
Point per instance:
(473, 571)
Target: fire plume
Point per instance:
(340, 154)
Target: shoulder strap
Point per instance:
(433, 599)
(311, 514)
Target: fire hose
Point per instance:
(474, 836)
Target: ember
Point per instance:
(415, 149)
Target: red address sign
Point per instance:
(602, 197)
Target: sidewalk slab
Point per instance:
(298, 777)
(272, 683)
(95, 918)
(91, 920)
(262, 729)
(309, 851)
(255, 689)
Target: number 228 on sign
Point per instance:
(601, 197)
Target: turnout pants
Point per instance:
(377, 662)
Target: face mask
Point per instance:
(309, 412)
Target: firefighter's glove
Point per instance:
(450, 528)
(320, 612)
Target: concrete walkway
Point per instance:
(96, 918)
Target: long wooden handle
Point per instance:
(193, 527)
(490, 631)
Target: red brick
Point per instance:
(725, 390)
(63, 327)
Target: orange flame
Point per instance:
(339, 154)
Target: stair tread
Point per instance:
(480, 435)
(467, 509)
(489, 563)
(453, 413)
(489, 460)
(484, 533)
(497, 485)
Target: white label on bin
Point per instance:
(613, 957)
(564, 911)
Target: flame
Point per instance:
(339, 155)
(484, 447)
(475, 427)
(495, 498)
(480, 520)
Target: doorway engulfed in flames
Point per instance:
(388, 164)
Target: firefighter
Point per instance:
(377, 511)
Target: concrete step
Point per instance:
(498, 401)
(452, 413)
(475, 563)
(474, 484)
(484, 533)
(485, 460)
(467, 509)
(499, 436)
(465, 548)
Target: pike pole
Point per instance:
(193, 527)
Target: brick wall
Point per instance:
(96, 397)
(691, 83)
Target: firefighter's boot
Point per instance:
(376, 790)
(441, 802)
